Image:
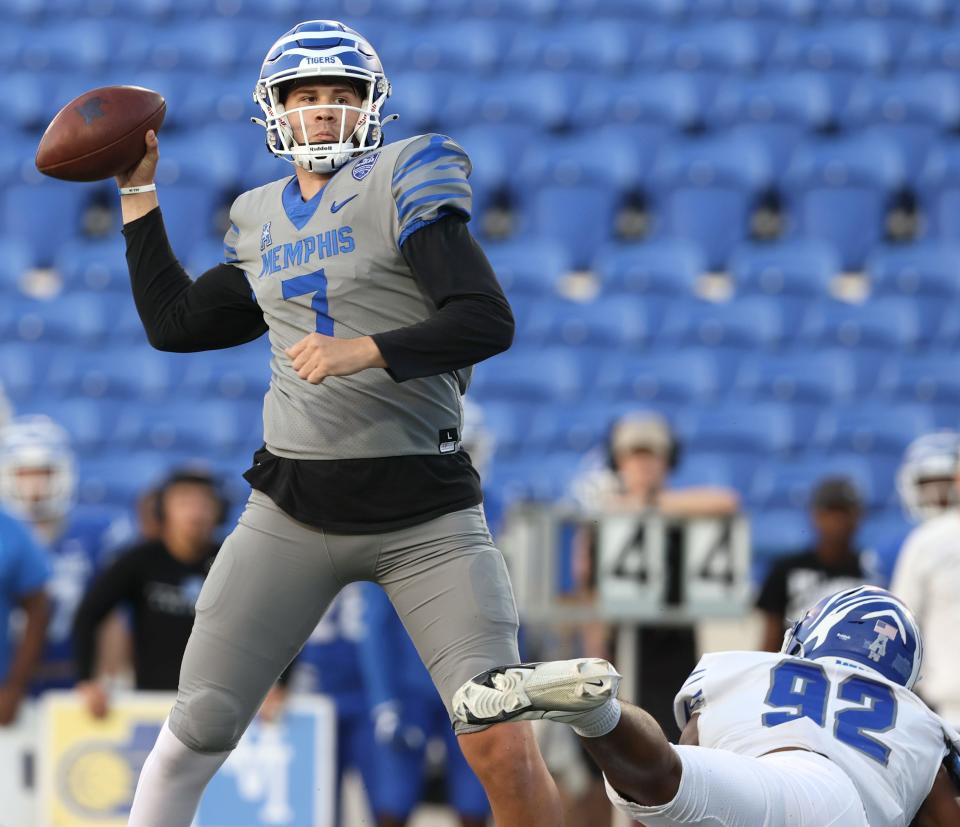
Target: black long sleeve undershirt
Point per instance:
(473, 320)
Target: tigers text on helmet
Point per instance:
(321, 50)
(37, 471)
(926, 480)
(865, 628)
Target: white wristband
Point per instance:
(138, 190)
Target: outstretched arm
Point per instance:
(637, 759)
(940, 809)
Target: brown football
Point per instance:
(100, 133)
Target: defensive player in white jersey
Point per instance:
(826, 732)
(377, 302)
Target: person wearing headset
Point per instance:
(159, 580)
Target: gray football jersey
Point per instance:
(333, 265)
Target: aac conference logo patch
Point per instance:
(362, 168)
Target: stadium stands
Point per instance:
(648, 142)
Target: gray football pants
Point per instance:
(275, 577)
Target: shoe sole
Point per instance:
(593, 677)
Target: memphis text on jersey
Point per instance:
(334, 242)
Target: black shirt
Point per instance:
(161, 593)
(473, 322)
(798, 581)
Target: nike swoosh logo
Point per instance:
(335, 207)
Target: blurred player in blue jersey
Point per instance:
(407, 713)
(38, 484)
(24, 571)
(329, 664)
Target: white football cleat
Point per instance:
(560, 690)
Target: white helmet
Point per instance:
(321, 49)
(926, 480)
(36, 443)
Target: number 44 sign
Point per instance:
(670, 570)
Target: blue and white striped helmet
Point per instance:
(36, 443)
(926, 480)
(866, 628)
(321, 49)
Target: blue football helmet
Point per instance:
(926, 480)
(866, 628)
(38, 477)
(321, 49)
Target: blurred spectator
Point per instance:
(642, 451)
(927, 579)
(24, 570)
(38, 483)
(925, 483)
(330, 664)
(800, 580)
(407, 714)
(159, 580)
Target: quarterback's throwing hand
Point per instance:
(315, 356)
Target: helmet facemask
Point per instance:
(322, 158)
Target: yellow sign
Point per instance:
(88, 769)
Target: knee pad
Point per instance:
(208, 720)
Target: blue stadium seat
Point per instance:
(599, 46)
(751, 321)
(119, 373)
(58, 203)
(696, 181)
(930, 378)
(939, 191)
(683, 376)
(803, 267)
(23, 368)
(765, 428)
(207, 45)
(890, 322)
(862, 46)
(492, 151)
(193, 425)
(776, 109)
(90, 423)
(790, 483)
(579, 216)
(785, 10)
(611, 321)
(69, 319)
(16, 257)
(578, 428)
(532, 267)
(235, 373)
(925, 270)
(728, 46)
(819, 376)
(776, 532)
(540, 374)
(17, 150)
(722, 469)
(840, 191)
(36, 101)
(78, 46)
(539, 477)
(934, 48)
(910, 110)
(872, 429)
(96, 265)
(540, 99)
(897, 11)
(671, 99)
(668, 267)
(420, 98)
(621, 10)
(188, 214)
(510, 424)
(119, 478)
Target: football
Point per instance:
(100, 133)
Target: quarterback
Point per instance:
(377, 301)
(826, 732)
